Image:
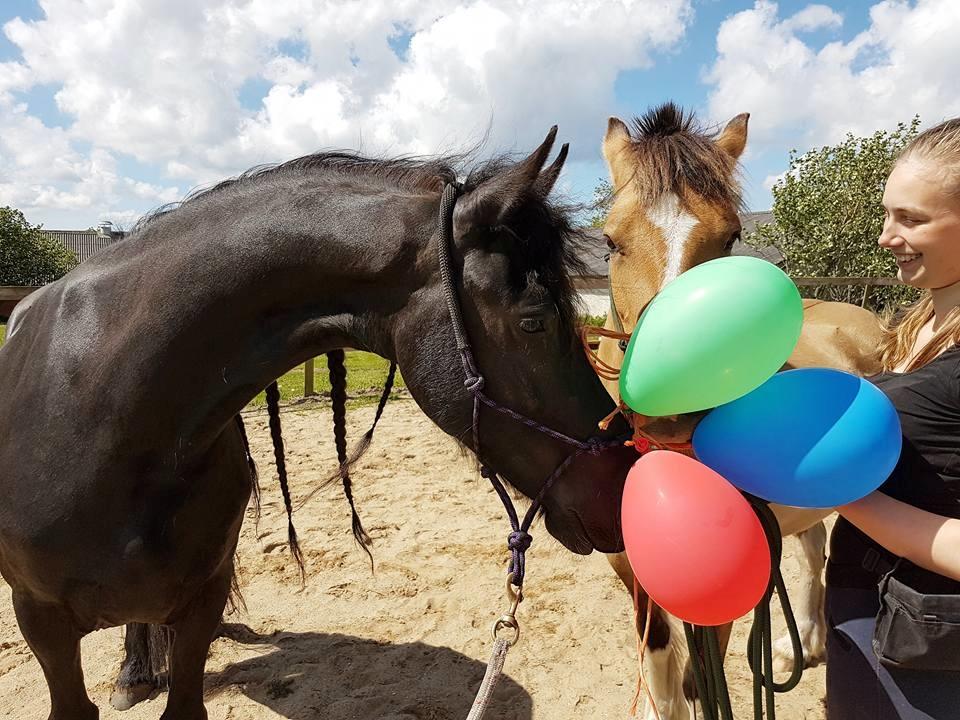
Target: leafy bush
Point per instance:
(27, 255)
(827, 216)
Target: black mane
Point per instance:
(540, 253)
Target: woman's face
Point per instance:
(921, 225)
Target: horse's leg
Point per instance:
(809, 606)
(192, 634)
(136, 681)
(662, 665)
(55, 640)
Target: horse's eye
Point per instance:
(532, 325)
(611, 245)
(732, 241)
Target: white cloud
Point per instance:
(153, 192)
(160, 80)
(771, 180)
(48, 178)
(813, 17)
(903, 64)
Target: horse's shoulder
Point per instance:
(838, 335)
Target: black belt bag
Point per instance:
(915, 630)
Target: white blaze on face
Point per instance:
(676, 224)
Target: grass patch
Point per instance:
(366, 374)
(3, 332)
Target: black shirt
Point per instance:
(928, 403)
(927, 475)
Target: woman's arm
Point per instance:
(926, 539)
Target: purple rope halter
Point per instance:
(519, 539)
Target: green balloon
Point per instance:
(717, 332)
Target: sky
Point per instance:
(110, 108)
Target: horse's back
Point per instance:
(838, 335)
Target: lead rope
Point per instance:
(490, 679)
(519, 539)
(760, 644)
(706, 660)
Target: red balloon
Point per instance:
(695, 544)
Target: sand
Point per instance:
(411, 640)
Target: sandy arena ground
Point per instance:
(410, 641)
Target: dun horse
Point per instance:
(125, 477)
(676, 205)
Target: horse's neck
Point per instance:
(233, 310)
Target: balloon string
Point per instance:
(643, 441)
(620, 409)
(642, 683)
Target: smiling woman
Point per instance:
(906, 536)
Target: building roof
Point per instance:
(768, 253)
(85, 243)
(595, 252)
(749, 223)
(750, 220)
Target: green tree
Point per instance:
(827, 215)
(27, 255)
(600, 207)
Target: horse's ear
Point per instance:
(616, 146)
(494, 200)
(548, 178)
(733, 139)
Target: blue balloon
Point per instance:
(810, 437)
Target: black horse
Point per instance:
(124, 475)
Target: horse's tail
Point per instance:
(158, 642)
(338, 397)
(273, 410)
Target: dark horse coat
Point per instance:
(123, 475)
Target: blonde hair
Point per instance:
(939, 145)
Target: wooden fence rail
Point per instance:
(867, 282)
(10, 295)
(15, 292)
